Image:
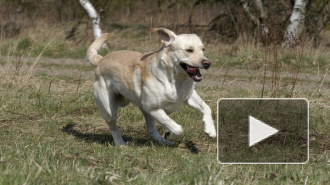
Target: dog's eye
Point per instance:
(189, 50)
(203, 49)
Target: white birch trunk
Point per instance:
(296, 24)
(94, 17)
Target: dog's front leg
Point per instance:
(174, 128)
(197, 103)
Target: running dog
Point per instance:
(157, 82)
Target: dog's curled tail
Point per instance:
(92, 56)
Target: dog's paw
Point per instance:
(164, 141)
(170, 136)
(177, 131)
(174, 134)
(210, 131)
(169, 143)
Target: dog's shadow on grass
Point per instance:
(192, 147)
(89, 134)
(103, 138)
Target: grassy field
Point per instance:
(288, 116)
(52, 133)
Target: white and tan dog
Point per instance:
(157, 82)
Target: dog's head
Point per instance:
(187, 51)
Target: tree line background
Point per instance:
(226, 20)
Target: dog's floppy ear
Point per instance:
(166, 35)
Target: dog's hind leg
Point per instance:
(152, 130)
(108, 106)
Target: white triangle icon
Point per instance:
(259, 131)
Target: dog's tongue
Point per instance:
(194, 73)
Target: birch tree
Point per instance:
(296, 24)
(95, 18)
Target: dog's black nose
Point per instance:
(206, 64)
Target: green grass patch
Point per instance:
(55, 49)
(57, 136)
(256, 58)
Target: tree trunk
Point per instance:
(260, 8)
(296, 24)
(94, 17)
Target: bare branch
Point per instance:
(246, 8)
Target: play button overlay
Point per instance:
(259, 131)
(263, 131)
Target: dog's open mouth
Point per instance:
(193, 72)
